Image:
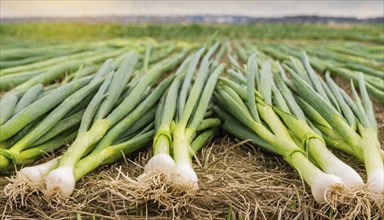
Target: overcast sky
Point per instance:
(258, 8)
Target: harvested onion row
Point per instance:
(180, 123)
(248, 114)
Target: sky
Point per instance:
(256, 8)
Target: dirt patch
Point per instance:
(235, 178)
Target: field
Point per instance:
(238, 179)
(262, 31)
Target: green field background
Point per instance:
(88, 31)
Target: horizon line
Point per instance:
(206, 15)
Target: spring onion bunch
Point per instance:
(181, 126)
(39, 116)
(309, 136)
(288, 110)
(42, 115)
(129, 134)
(101, 116)
(248, 114)
(348, 125)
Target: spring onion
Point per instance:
(362, 139)
(179, 121)
(247, 109)
(100, 126)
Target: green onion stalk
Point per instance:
(30, 96)
(7, 106)
(246, 114)
(180, 124)
(102, 115)
(353, 120)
